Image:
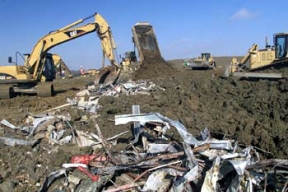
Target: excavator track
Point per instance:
(45, 89)
(5, 92)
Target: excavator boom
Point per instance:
(70, 32)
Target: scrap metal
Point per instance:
(153, 162)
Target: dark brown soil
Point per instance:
(154, 67)
(253, 112)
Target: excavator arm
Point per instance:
(35, 64)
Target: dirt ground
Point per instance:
(252, 112)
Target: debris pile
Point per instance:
(152, 159)
(127, 88)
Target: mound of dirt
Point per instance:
(154, 66)
(251, 112)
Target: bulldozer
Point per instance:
(129, 61)
(38, 72)
(204, 62)
(258, 59)
(130, 56)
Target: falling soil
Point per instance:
(251, 112)
(154, 66)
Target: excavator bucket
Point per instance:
(107, 76)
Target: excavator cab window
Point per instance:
(281, 46)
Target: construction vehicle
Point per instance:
(258, 59)
(206, 61)
(61, 67)
(130, 57)
(91, 72)
(38, 71)
(145, 40)
(59, 64)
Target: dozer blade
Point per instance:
(258, 75)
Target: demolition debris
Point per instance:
(150, 159)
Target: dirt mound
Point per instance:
(154, 67)
(251, 112)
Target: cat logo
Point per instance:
(74, 33)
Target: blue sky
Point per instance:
(184, 28)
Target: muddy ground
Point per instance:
(252, 112)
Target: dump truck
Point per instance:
(256, 60)
(145, 41)
(144, 38)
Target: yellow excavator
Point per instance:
(257, 59)
(61, 67)
(38, 71)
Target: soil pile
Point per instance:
(251, 112)
(154, 66)
(254, 113)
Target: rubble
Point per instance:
(152, 160)
(194, 162)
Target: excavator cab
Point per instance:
(281, 45)
(49, 70)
